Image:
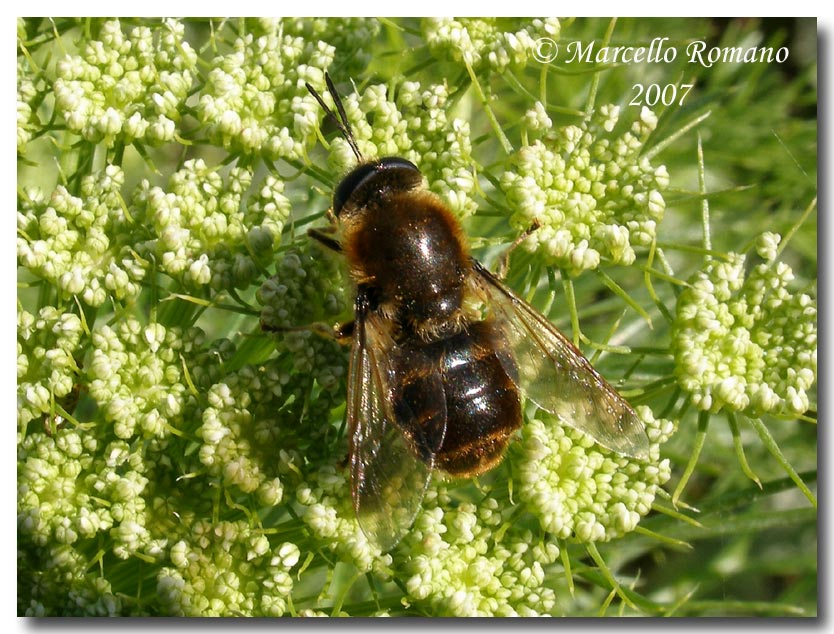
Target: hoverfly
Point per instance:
(433, 383)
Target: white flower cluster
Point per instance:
(72, 490)
(26, 95)
(46, 365)
(136, 377)
(591, 192)
(127, 88)
(78, 486)
(228, 567)
(325, 507)
(77, 243)
(467, 561)
(252, 100)
(482, 42)
(307, 287)
(201, 232)
(742, 340)
(354, 34)
(578, 490)
(226, 449)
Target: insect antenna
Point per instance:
(341, 121)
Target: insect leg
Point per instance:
(323, 237)
(341, 333)
(504, 262)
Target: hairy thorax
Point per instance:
(409, 251)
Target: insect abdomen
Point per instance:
(483, 406)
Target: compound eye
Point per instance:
(395, 162)
(350, 183)
(363, 173)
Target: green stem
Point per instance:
(669, 541)
(773, 448)
(570, 299)
(563, 552)
(742, 459)
(592, 92)
(620, 292)
(702, 187)
(671, 139)
(609, 576)
(700, 437)
(795, 227)
(502, 138)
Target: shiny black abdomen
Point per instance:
(482, 403)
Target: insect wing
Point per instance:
(555, 375)
(388, 478)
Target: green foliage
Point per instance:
(176, 459)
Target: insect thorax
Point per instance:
(410, 251)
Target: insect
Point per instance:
(433, 382)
